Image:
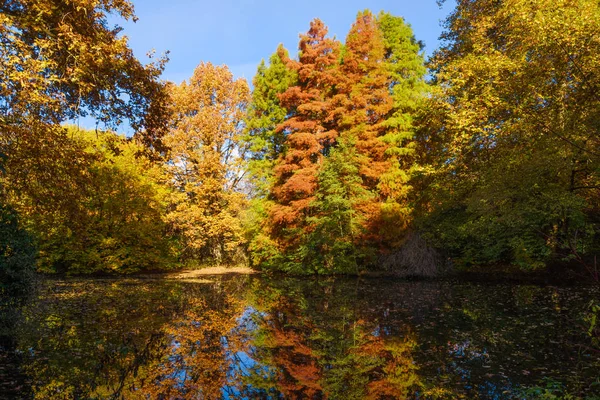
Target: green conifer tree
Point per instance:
(406, 72)
(264, 113)
(338, 219)
(265, 145)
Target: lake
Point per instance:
(248, 336)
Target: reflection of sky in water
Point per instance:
(240, 363)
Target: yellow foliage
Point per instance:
(205, 163)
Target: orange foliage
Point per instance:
(308, 131)
(362, 106)
(299, 374)
(206, 162)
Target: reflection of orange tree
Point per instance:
(367, 364)
(283, 342)
(392, 371)
(316, 352)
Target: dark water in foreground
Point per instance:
(250, 337)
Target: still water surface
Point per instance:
(253, 337)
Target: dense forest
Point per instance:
(345, 158)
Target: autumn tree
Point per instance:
(309, 133)
(365, 177)
(347, 201)
(365, 99)
(105, 208)
(349, 136)
(205, 162)
(515, 132)
(61, 61)
(364, 103)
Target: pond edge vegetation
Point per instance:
(355, 157)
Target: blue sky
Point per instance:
(240, 33)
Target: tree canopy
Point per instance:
(347, 156)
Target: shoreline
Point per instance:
(494, 276)
(203, 272)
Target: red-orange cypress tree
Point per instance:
(363, 104)
(309, 133)
(366, 96)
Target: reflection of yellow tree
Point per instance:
(134, 342)
(393, 372)
(203, 342)
(80, 346)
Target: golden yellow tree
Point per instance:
(514, 127)
(205, 162)
(61, 60)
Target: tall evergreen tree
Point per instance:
(348, 114)
(334, 244)
(406, 71)
(265, 113)
(265, 145)
(365, 102)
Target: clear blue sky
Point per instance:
(240, 33)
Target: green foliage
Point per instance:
(265, 145)
(264, 113)
(17, 255)
(405, 63)
(262, 250)
(104, 212)
(509, 142)
(551, 390)
(591, 318)
(336, 221)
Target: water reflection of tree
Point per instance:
(298, 338)
(282, 342)
(119, 340)
(315, 340)
(202, 338)
(83, 340)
